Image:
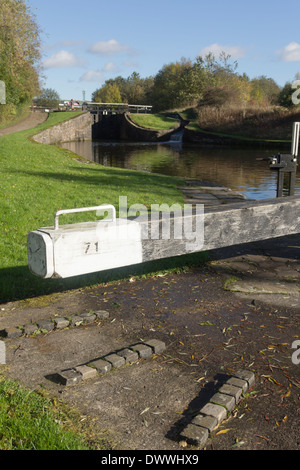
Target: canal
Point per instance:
(233, 167)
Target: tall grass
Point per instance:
(270, 122)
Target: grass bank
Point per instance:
(154, 121)
(31, 421)
(36, 180)
(247, 124)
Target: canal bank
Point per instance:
(212, 326)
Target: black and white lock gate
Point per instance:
(89, 247)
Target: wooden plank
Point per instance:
(96, 246)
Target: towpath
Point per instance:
(31, 121)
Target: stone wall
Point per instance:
(76, 129)
(103, 127)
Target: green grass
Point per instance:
(36, 180)
(30, 421)
(154, 121)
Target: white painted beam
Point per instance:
(78, 249)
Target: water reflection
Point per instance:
(236, 168)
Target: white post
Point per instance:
(2, 353)
(295, 138)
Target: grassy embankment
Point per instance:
(247, 125)
(31, 421)
(36, 180)
(154, 121)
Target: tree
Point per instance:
(264, 91)
(285, 96)
(48, 98)
(19, 52)
(109, 93)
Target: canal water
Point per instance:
(235, 168)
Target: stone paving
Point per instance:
(114, 360)
(56, 323)
(209, 194)
(218, 408)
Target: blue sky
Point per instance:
(87, 42)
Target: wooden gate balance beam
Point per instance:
(89, 247)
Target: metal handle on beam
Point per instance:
(84, 209)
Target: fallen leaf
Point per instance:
(223, 431)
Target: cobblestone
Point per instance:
(129, 355)
(223, 400)
(195, 435)
(143, 350)
(69, 377)
(57, 323)
(231, 390)
(100, 365)
(156, 345)
(217, 410)
(30, 329)
(61, 323)
(46, 325)
(208, 422)
(115, 359)
(11, 332)
(86, 372)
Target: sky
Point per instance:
(87, 42)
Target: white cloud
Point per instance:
(108, 48)
(62, 59)
(92, 76)
(235, 52)
(110, 67)
(291, 52)
(129, 63)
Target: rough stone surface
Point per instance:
(195, 435)
(102, 314)
(208, 422)
(156, 345)
(101, 366)
(223, 400)
(231, 390)
(46, 325)
(61, 323)
(69, 377)
(11, 332)
(78, 128)
(143, 350)
(129, 355)
(217, 411)
(76, 320)
(86, 372)
(246, 375)
(115, 360)
(88, 317)
(30, 329)
(243, 384)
